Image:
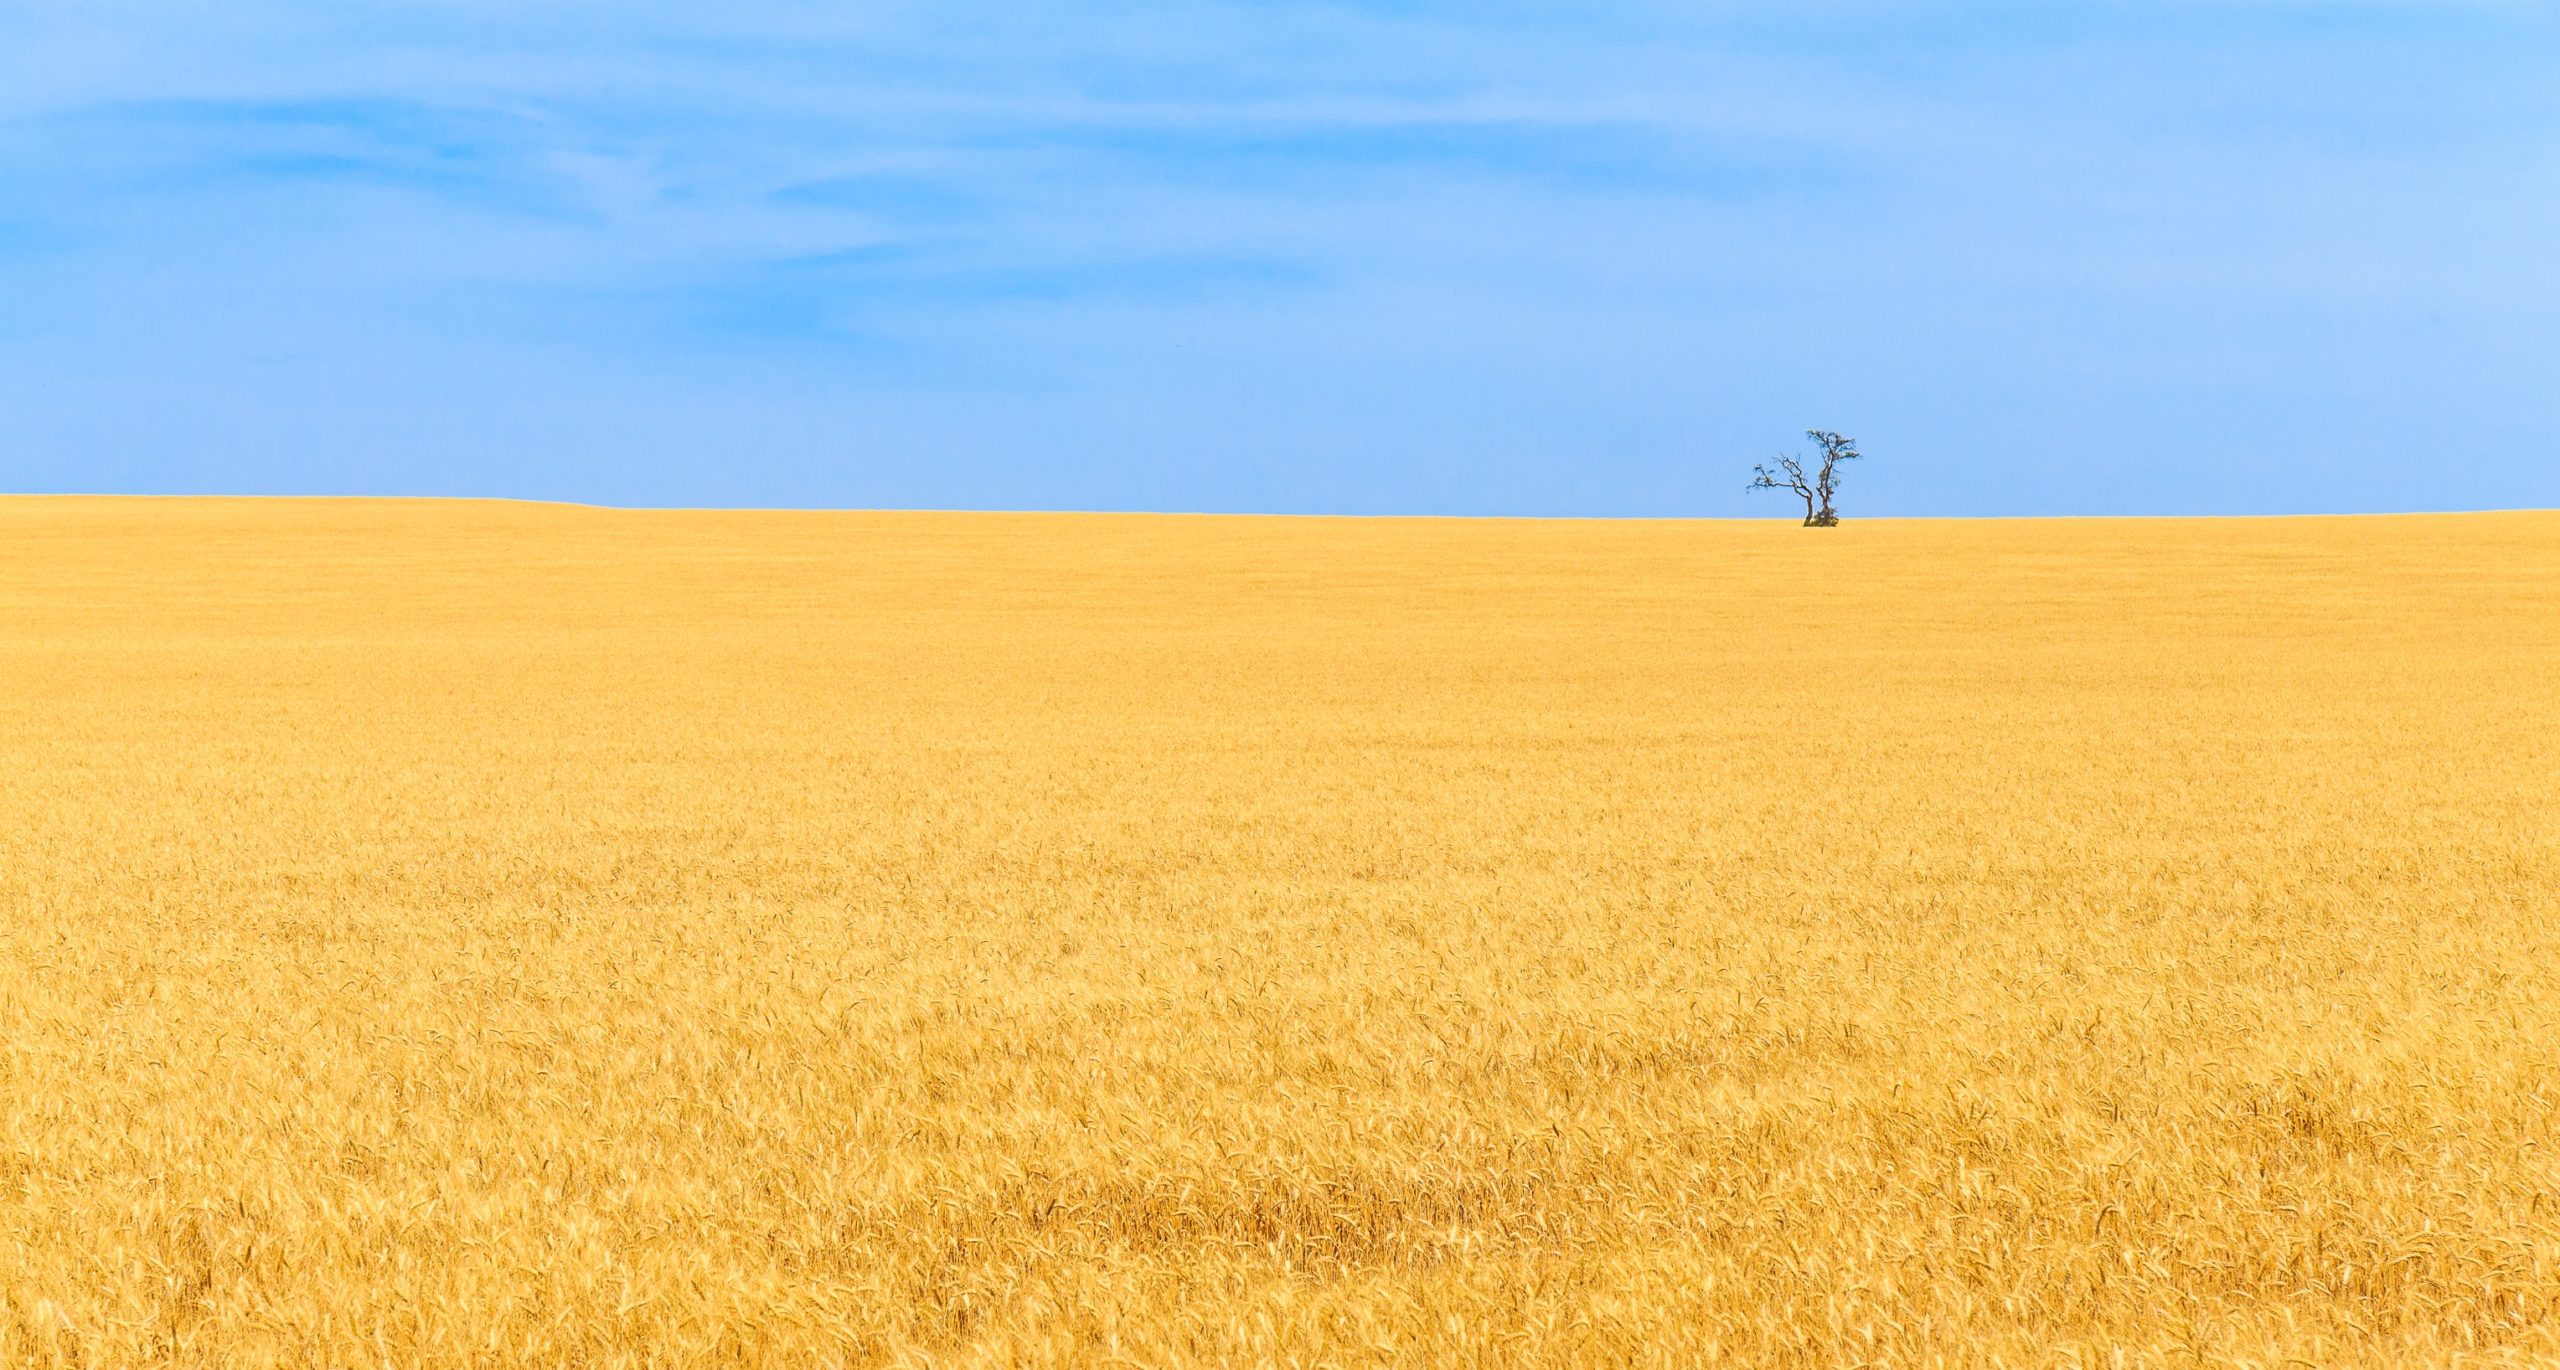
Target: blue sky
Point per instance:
(1416, 257)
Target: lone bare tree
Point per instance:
(1816, 492)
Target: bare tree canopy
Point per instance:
(1816, 491)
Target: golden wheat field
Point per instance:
(443, 934)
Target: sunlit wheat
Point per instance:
(460, 934)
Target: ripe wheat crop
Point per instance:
(473, 934)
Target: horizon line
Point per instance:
(598, 507)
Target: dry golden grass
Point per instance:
(469, 934)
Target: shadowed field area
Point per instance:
(441, 934)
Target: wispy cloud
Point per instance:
(178, 147)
